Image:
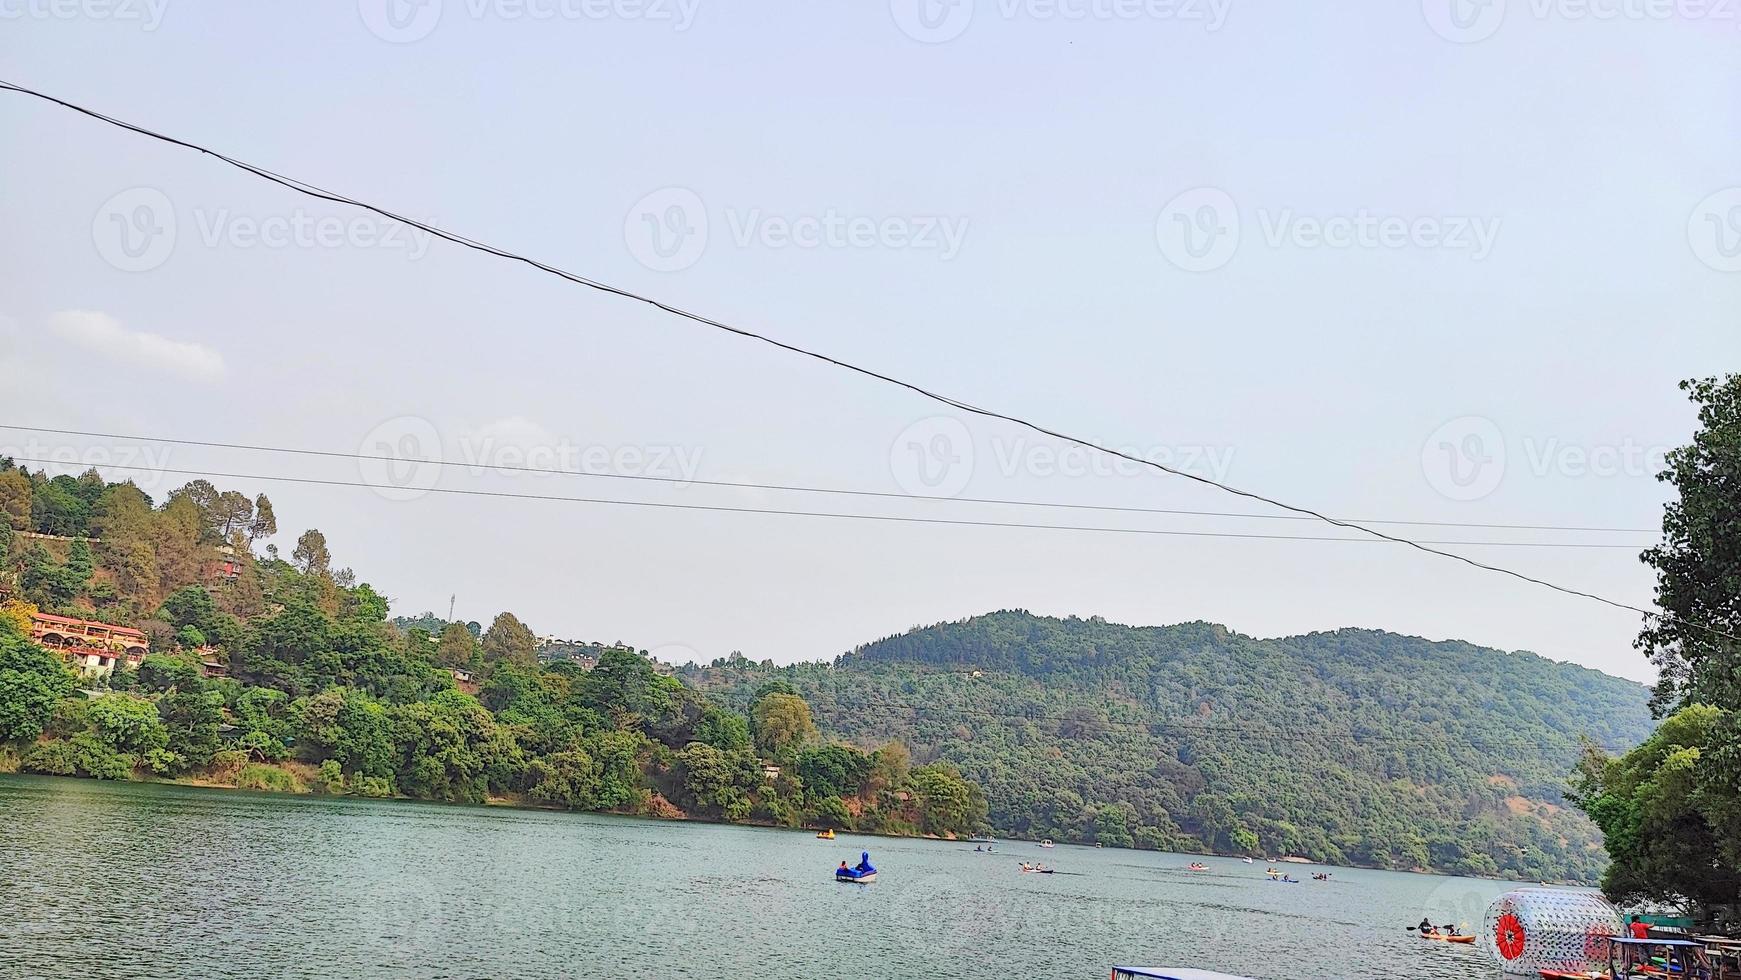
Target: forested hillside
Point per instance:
(1349, 747)
(266, 673)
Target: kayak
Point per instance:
(1435, 937)
(825, 835)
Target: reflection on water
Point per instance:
(111, 881)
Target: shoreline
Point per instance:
(509, 803)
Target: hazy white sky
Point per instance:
(1431, 261)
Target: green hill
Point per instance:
(1356, 747)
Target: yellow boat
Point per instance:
(826, 835)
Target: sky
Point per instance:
(1436, 260)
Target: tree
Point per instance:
(311, 556)
(1698, 562)
(264, 524)
(5, 539)
(189, 606)
(1668, 825)
(570, 779)
(719, 783)
(782, 724)
(230, 512)
(192, 719)
(509, 639)
(456, 647)
(32, 682)
(122, 523)
(832, 770)
(131, 726)
(952, 805)
(15, 494)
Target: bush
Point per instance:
(332, 778)
(51, 759)
(373, 787)
(95, 758)
(269, 779)
(228, 764)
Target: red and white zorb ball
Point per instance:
(1533, 929)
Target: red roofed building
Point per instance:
(90, 646)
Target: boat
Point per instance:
(1246, 860)
(826, 834)
(863, 874)
(1284, 879)
(1441, 937)
(1038, 869)
(982, 840)
(1047, 842)
(1168, 973)
(1194, 866)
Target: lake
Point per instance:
(103, 880)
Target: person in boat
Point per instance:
(1426, 927)
(842, 867)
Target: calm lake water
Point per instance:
(124, 881)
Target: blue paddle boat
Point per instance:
(861, 874)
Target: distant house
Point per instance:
(90, 647)
(770, 772)
(465, 680)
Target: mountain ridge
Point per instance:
(1354, 746)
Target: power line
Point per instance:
(794, 488)
(835, 515)
(319, 193)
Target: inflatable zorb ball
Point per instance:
(1534, 929)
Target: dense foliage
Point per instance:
(1671, 808)
(288, 676)
(1349, 747)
